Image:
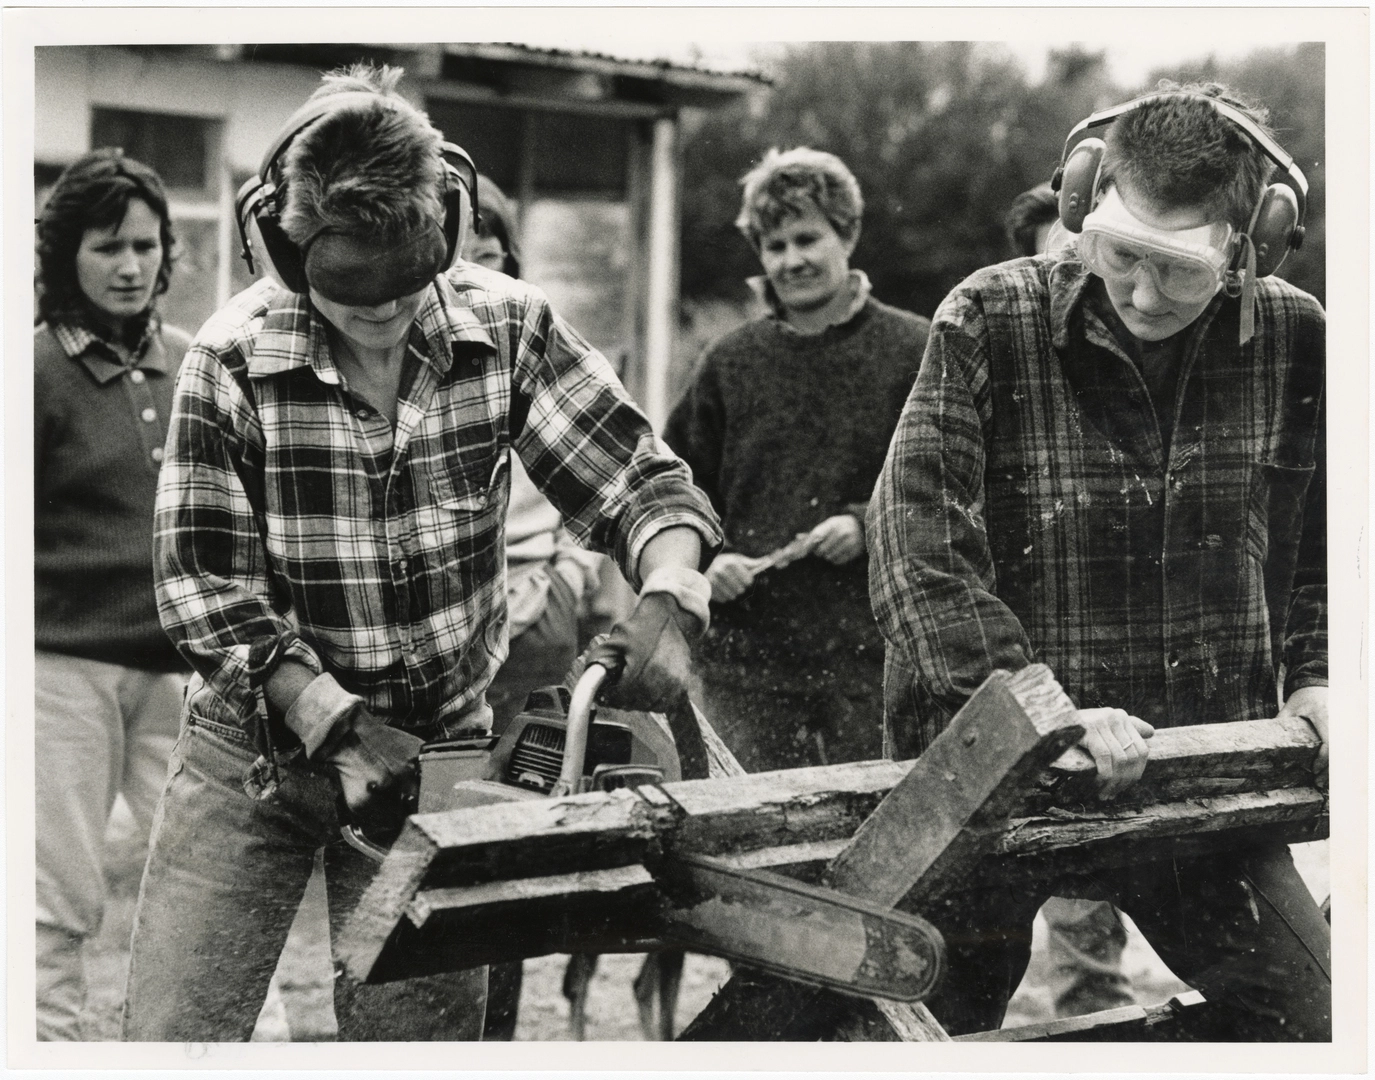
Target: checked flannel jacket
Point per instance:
(292, 521)
(1027, 510)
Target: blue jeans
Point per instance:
(224, 878)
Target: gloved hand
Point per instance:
(647, 653)
(376, 764)
(378, 771)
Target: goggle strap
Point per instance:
(1248, 292)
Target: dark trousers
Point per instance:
(224, 878)
(1241, 927)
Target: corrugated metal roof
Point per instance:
(681, 64)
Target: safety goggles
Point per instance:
(357, 272)
(1186, 265)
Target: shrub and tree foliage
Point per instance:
(942, 136)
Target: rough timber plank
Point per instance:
(1184, 762)
(381, 906)
(949, 809)
(1130, 1023)
(797, 820)
(1052, 844)
(1061, 848)
(543, 836)
(923, 836)
(450, 929)
(745, 817)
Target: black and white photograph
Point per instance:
(726, 528)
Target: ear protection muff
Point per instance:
(1078, 183)
(262, 198)
(1276, 225)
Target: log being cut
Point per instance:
(997, 793)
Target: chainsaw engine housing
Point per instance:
(623, 749)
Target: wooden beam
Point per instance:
(951, 806)
(927, 832)
(1187, 762)
(796, 821)
(463, 922)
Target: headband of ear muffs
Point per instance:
(1276, 226)
(262, 198)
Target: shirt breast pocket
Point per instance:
(1275, 514)
(471, 486)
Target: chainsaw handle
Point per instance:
(353, 836)
(579, 725)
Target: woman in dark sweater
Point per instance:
(786, 427)
(108, 683)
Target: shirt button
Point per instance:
(149, 415)
(362, 414)
(1174, 659)
(136, 376)
(156, 453)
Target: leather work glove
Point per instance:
(647, 653)
(376, 765)
(378, 772)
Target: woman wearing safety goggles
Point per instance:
(1183, 262)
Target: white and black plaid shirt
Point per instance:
(293, 521)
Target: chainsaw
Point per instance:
(563, 744)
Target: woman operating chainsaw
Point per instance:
(330, 551)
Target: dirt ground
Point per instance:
(299, 1006)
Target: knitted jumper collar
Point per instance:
(857, 282)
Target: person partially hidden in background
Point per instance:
(785, 426)
(548, 575)
(1114, 462)
(330, 554)
(550, 584)
(1086, 937)
(107, 681)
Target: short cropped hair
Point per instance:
(369, 169)
(784, 184)
(1029, 211)
(497, 219)
(93, 193)
(1179, 151)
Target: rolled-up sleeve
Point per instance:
(931, 571)
(591, 450)
(214, 584)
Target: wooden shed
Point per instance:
(586, 144)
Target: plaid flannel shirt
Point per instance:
(1028, 510)
(293, 522)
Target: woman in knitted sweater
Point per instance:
(786, 426)
(108, 683)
